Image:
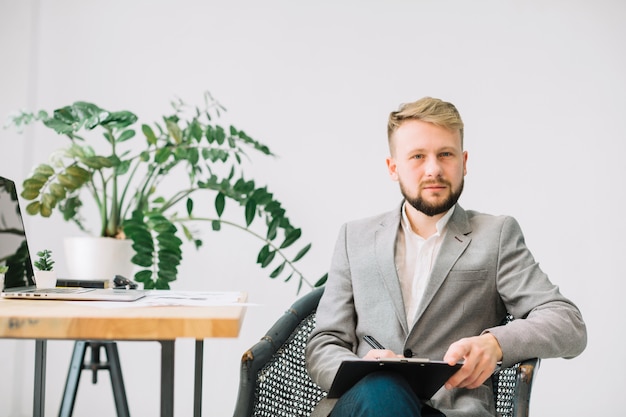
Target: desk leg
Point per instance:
(197, 392)
(40, 378)
(167, 378)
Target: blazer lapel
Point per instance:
(454, 243)
(384, 246)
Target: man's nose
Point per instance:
(432, 167)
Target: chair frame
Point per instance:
(512, 386)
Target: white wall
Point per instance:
(540, 85)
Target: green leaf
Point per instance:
(174, 131)
(33, 208)
(109, 137)
(49, 200)
(69, 182)
(170, 243)
(70, 207)
(33, 184)
(210, 134)
(58, 191)
(119, 119)
(250, 211)
(220, 136)
(166, 275)
(142, 260)
(127, 134)
(220, 202)
(276, 272)
(268, 259)
(189, 206)
(144, 276)
(44, 169)
(272, 228)
(149, 134)
(216, 225)
(80, 173)
(321, 281)
(96, 162)
(195, 130)
(291, 238)
(263, 253)
(162, 155)
(302, 252)
(30, 193)
(122, 168)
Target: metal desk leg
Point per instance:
(73, 378)
(117, 382)
(167, 378)
(39, 400)
(197, 391)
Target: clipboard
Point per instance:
(425, 376)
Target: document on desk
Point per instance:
(160, 298)
(191, 298)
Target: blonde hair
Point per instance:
(427, 109)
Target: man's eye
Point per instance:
(418, 156)
(446, 154)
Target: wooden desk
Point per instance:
(43, 320)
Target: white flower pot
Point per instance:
(45, 279)
(91, 258)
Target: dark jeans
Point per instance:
(382, 394)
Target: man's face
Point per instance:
(429, 163)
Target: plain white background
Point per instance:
(540, 85)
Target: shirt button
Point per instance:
(408, 353)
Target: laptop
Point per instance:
(19, 280)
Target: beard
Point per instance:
(433, 209)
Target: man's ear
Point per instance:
(392, 168)
(464, 163)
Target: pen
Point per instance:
(373, 342)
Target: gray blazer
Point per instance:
(483, 271)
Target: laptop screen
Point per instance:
(13, 246)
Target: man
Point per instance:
(432, 280)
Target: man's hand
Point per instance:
(480, 355)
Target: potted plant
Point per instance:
(124, 181)
(45, 276)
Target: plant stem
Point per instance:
(253, 233)
(114, 215)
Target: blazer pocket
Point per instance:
(479, 275)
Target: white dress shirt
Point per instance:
(414, 258)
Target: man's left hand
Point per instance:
(480, 355)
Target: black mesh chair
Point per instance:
(274, 381)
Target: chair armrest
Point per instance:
(524, 380)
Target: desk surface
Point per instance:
(48, 319)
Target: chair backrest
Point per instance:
(274, 381)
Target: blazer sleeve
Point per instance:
(333, 339)
(552, 325)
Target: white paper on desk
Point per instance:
(190, 298)
(156, 298)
